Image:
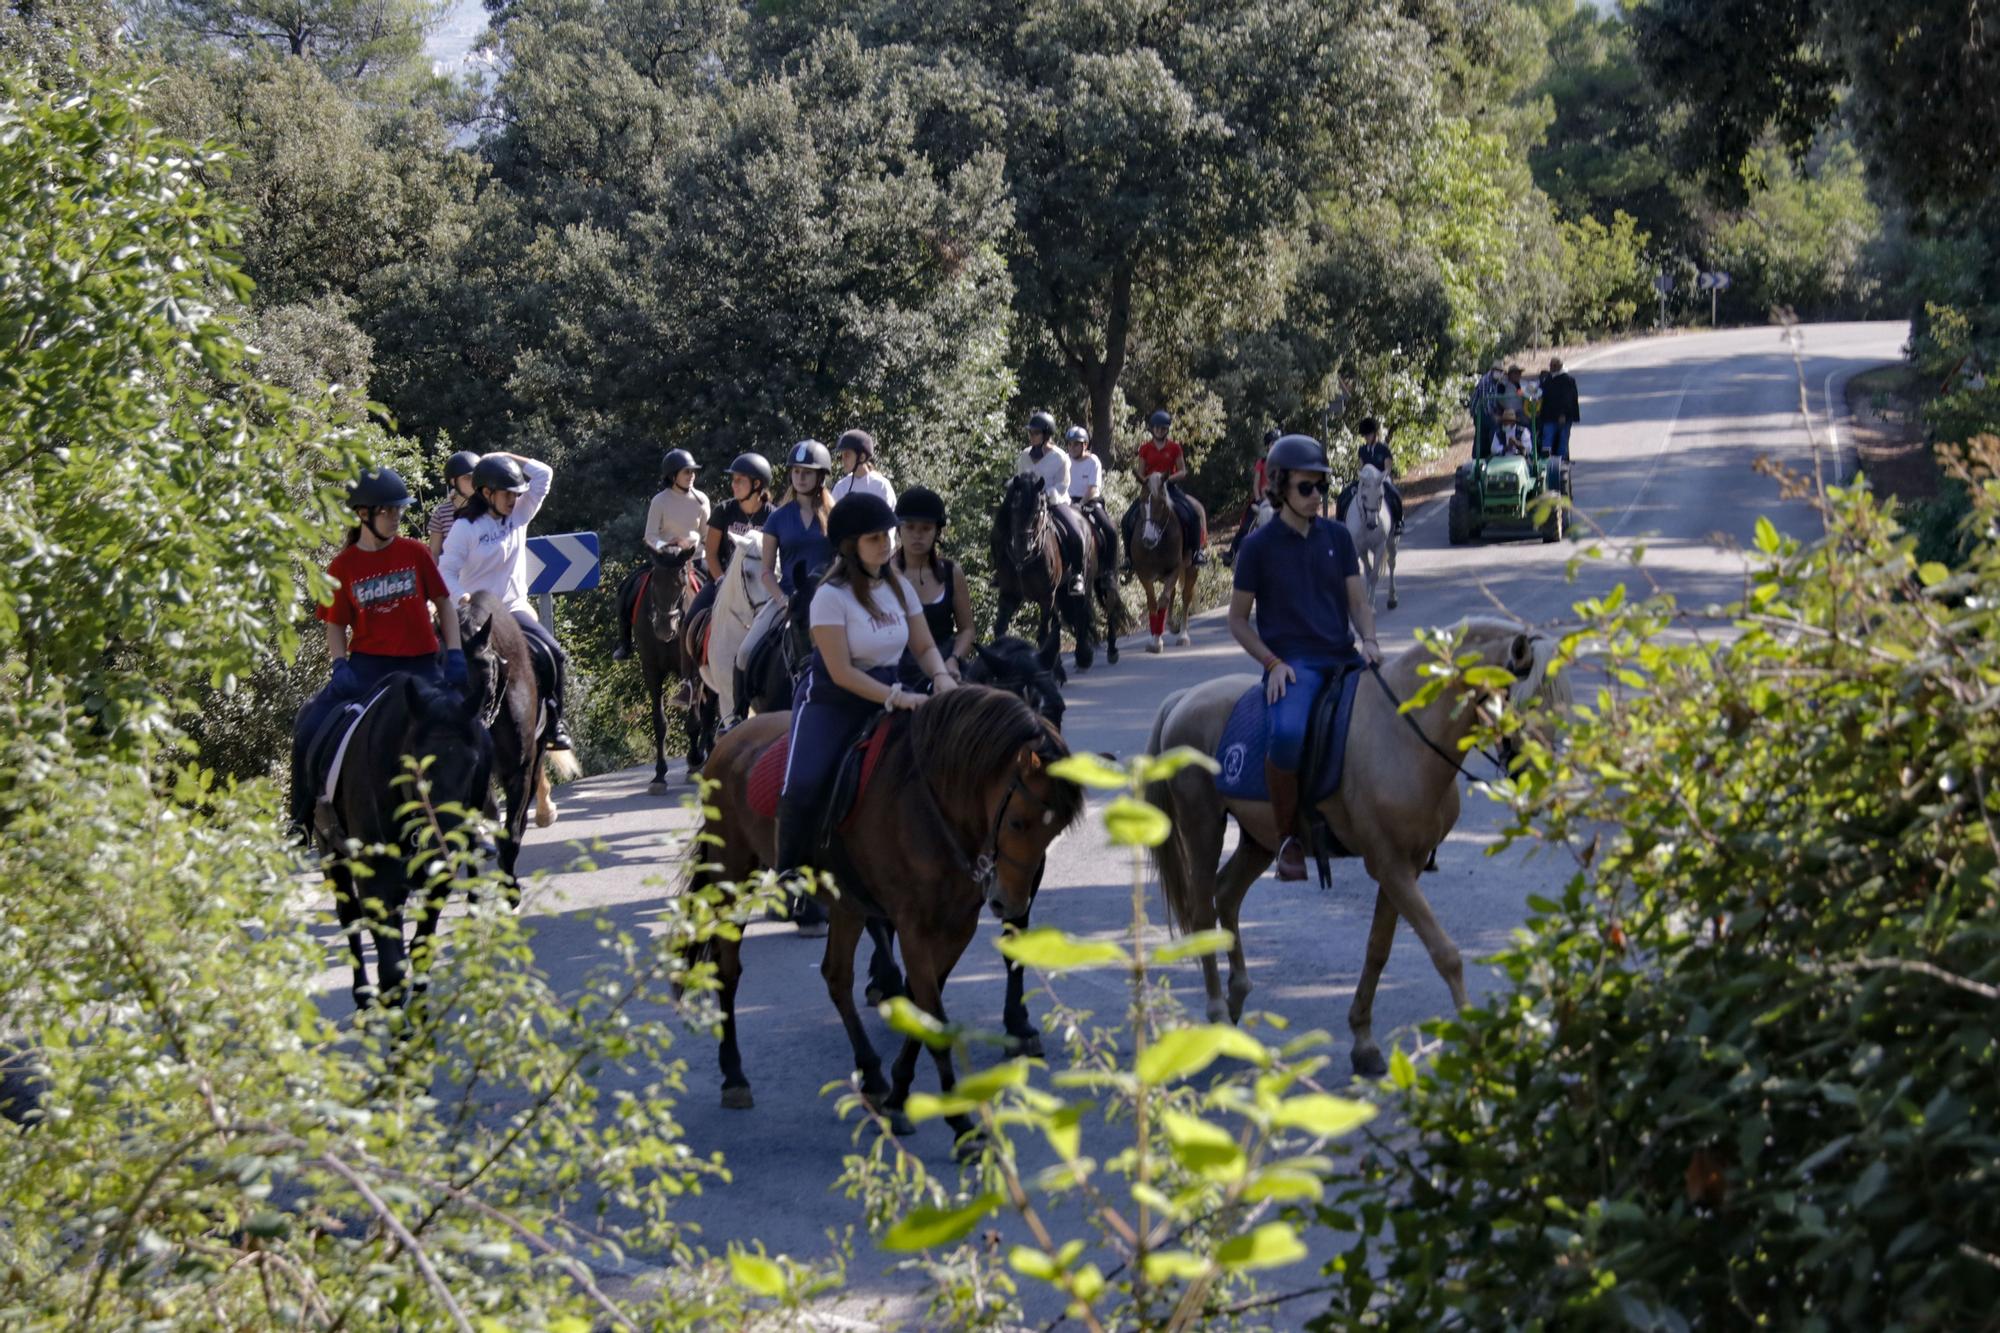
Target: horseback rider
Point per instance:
(745, 511)
(855, 452)
(487, 551)
(674, 522)
(1374, 452)
(1303, 578)
(939, 583)
(1167, 458)
(1086, 491)
(379, 621)
(796, 548)
(864, 617)
(1259, 491)
(1051, 464)
(458, 487)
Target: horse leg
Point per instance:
(884, 978)
(1114, 615)
(927, 963)
(347, 908)
(515, 831)
(1156, 616)
(837, 966)
(1003, 612)
(728, 955)
(1183, 639)
(656, 688)
(1084, 627)
(1368, 1061)
(1390, 556)
(545, 809)
(1023, 1037)
(1244, 868)
(387, 928)
(1399, 896)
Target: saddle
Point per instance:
(327, 751)
(1246, 741)
(850, 781)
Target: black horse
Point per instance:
(1030, 568)
(662, 645)
(369, 826)
(1035, 676)
(765, 685)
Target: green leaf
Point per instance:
(1322, 1114)
(1160, 767)
(1064, 1129)
(1134, 823)
(1187, 946)
(1203, 1147)
(1767, 536)
(1281, 1186)
(1189, 1050)
(925, 1228)
(904, 1017)
(1154, 1199)
(1931, 573)
(1169, 1265)
(1047, 949)
(1031, 1262)
(990, 1083)
(1489, 677)
(1087, 770)
(1270, 1246)
(1401, 1072)
(756, 1274)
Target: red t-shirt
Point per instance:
(1162, 458)
(384, 597)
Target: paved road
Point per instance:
(1671, 427)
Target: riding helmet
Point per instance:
(1042, 422)
(1077, 435)
(810, 453)
(1161, 417)
(754, 466)
(922, 504)
(858, 514)
(1297, 453)
(676, 462)
(860, 441)
(1271, 438)
(459, 465)
(499, 472)
(377, 488)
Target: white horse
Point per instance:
(1374, 539)
(737, 603)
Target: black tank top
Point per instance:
(942, 616)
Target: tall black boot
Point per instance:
(300, 809)
(1284, 789)
(800, 821)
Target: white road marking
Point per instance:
(1666, 438)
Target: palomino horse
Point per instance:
(506, 694)
(407, 721)
(1397, 799)
(958, 817)
(1374, 539)
(662, 653)
(737, 603)
(1163, 563)
(1028, 569)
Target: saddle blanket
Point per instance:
(327, 755)
(857, 770)
(1246, 740)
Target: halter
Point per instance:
(1375, 670)
(983, 870)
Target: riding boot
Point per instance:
(559, 737)
(1284, 789)
(800, 821)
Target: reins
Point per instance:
(984, 869)
(1375, 670)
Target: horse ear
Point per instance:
(1521, 654)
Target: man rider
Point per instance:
(1051, 464)
(1166, 457)
(1374, 452)
(1301, 577)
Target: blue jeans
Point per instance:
(1555, 438)
(1286, 719)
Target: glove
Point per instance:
(346, 682)
(454, 668)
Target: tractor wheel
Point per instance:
(1458, 519)
(1552, 527)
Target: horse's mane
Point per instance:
(975, 732)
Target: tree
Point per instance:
(1801, 242)
(348, 40)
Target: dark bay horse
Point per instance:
(958, 818)
(663, 653)
(363, 827)
(505, 692)
(1029, 570)
(771, 670)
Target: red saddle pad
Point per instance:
(767, 775)
(639, 602)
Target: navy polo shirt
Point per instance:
(1377, 454)
(1300, 583)
(802, 544)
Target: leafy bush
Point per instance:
(1606, 277)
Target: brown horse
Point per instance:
(1029, 570)
(1397, 799)
(505, 691)
(1163, 562)
(958, 817)
(660, 637)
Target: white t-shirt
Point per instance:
(488, 555)
(1054, 469)
(1084, 473)
(870, 642)
(872, 484)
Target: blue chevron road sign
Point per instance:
(562, 562)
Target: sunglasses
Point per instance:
(1307, 487)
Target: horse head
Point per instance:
(443, 730)
(1034, 675)
(1159, 514)
(484, 669)
(1021, 526)
(668, 586)
(1368, 496)
(1525, 653)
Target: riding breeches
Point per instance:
(534, 629)
(1389, 493)
(704, 597)
(1075, 537)
(1287, 719)
(826, 721)
(1094, 513)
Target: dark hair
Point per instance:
(477, 506)
(1369, 425)
(934, 560)
(841, 574)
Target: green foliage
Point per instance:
(349, 40)
(1744, 1057)
(1607, 280)
(1801, 240)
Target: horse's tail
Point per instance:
(563, 765)
(1170, 858)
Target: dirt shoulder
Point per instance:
(1888, 433)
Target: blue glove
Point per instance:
(346, 683)
(454, 668)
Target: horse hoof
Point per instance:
(1111, 656)
(1184, 641)
(657, 787)
(1155, 646)
(545, 818)
(1370, 1064)
(900, 1123)
(737, 1098)
(1028, 1044)
(969, 1147)
(1392, 604)
(812, 930)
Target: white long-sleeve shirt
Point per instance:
(487, 554)
(676, 517)
(1053, 466)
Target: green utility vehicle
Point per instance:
(1500, 493)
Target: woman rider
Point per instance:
(379, 621)
(939, 584)
(796, 548)
(745, 511)
(1303, 579)
(864, 617)
(855, 452)
(1051, 464)
(487, 551)
(673, 523)
(1086, 492)
(458, 482)
(1166, 457)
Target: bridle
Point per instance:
(1375, 670)
(984, 869)
(1037, 536)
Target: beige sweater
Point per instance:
(676, 518)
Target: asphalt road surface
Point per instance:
(1670, 430)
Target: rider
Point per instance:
(1086, 490)
(1510, 438)
(1165, 457)
(796, 548)
(864, 617)
(458, 484)
(745, 511)
(1374, 452)
(487, 551)
(1051, 464)
(855, 452)
(674, 522)
(1258, 491)
(939, 583)
(378, 622)
(1303, 578)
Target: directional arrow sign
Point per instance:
(1703, 281)
(1721, 282)
(1663, 284)
(562, 562)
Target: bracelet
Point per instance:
(894, 691)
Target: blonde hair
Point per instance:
(821, 505)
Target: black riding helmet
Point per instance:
(860, 441)
(858, 514)
(809, 453)
(1160, 418)
(1043, 422)
(754, 466)
(676, 462)
(499, 472)
(377, 488)
(922, 504)
(1077, 435)
(1297, 453)
(459, 465)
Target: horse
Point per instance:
(737, 602)
(1397, 800)
(1036, 677)
(958, 818)
(663, 653)
(1028, 569)
(1374, 538)
(502, 680)
(772, 668)
(408, 721)
(1160, 560)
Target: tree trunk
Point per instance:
(1102, 379)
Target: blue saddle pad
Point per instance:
(1246, 740)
